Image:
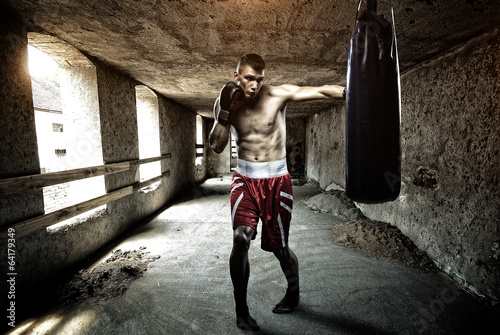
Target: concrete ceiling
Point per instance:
(187, 49)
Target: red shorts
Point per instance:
(263, 190)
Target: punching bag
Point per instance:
(373, 110)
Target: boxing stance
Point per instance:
(255, 115)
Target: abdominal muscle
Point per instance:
(262, 144)
(261, 151)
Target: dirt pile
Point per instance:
(336, 203)
(381, 240)
(109, 279)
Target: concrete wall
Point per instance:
(450, 125)
(42, 254)
(295, 146)
(325, 147)
(17, 122)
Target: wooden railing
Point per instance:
(26, 183)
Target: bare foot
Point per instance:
(246, 323)
(287, 304)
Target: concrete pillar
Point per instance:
(18, 149)
(177, 137)
(118, 115)
(18, 142)
(120, 141)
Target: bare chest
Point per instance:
(258, 121)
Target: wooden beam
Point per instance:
(150, 160)
(46, 220)
(26, 183)
(148, 182)
(43, 221)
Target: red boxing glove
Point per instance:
(229, 96)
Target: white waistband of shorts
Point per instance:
(262, 169)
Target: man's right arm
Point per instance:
(227, 101)
(219, 136)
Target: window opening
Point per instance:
(148, 127)
(199, 140)
(64, 86)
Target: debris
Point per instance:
(109, 279)
(336, 203)
(382, 240)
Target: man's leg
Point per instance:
(240, 272)
(290, 266)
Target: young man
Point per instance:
(255, 114)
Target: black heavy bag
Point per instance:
(373, 110)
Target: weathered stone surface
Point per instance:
(449, 203)
(325, 138)
(19, 153)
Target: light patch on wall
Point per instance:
(148, 128)
(199, 140)
(42, 65)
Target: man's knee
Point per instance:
(243, 236)
(282, 254)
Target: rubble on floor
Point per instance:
(109, 279)
(378, 239)
(381, 240)
(336, 203)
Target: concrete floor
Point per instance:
(188, 290)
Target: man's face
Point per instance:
(250, 81)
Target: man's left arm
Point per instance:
(304, 93)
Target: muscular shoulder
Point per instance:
(280, 94)
(284, 91)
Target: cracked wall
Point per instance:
(450, 199)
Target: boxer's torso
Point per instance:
(259, 127)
